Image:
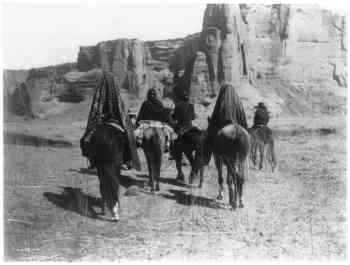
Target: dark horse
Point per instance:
(231, 148)
(228, 139)
(262, 142)
(105, 151)
(191, 144)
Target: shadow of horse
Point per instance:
(171, 181)
(182, 197)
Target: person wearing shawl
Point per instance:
(228, 110)
(184, 114)
(152, 109)
(261, 115)
(108, 107)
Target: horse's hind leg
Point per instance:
(150, 171)
(103, 203)
(273, 161)
(240, 181)
(193, 166)
(231, 181)
(158, 166)
(201, 174)
(116, 206)
(253, 153)
(218, 163)
(178, 161)
(261, 150)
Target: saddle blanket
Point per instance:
(170, 134)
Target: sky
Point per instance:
(36, 35)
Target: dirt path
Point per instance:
(297, 212)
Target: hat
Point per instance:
(260, 105)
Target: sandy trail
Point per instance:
(297, 212)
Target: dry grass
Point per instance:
(297, 212)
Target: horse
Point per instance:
(105, 150)
(262, 141)
(231, 148)
(154, 138)
(191, 144)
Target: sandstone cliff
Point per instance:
(291, 57)
(126, 59)
(280, 54)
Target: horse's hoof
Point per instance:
(157, 189)
(219, 197)
(180, 180)
(240, 205)
(233, 206)
(115, 218)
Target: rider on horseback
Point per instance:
(228, 110)
(261, 116)
(152, 109)
(183, 115)
(108, 107)
(153, 114)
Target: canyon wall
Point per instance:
(292, 57)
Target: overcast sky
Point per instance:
(39, 35)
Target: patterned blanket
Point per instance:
(169, 132)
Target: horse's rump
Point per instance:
(231, 140)
(168, 132)
(261, 133)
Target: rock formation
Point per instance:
(279, 54)
(264, 48)
(126, 59)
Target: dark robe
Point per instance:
(228, 109)
(261, 116)
(152, 110)
(107, 105)
(184, 115)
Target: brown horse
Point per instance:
(231, 148)
(262, 142)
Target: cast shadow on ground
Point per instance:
(125, 180)
(73, 199)
(171, 181)
(182, 197)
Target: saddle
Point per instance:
(170, 135)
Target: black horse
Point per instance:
(191, 144)
(105, 150)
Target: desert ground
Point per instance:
(297, 212)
